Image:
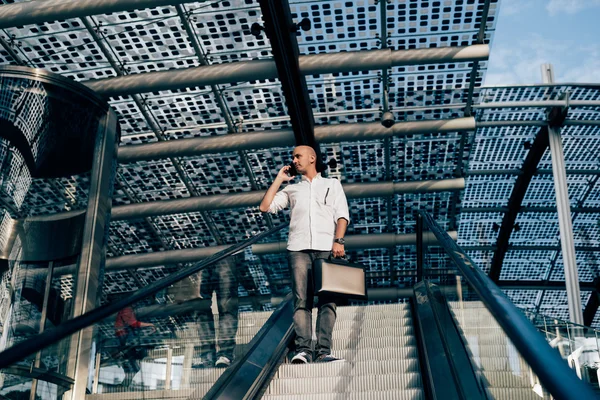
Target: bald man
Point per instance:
(318, 220)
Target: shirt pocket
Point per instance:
(325, 196)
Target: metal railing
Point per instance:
(546, 363)
(51, 336)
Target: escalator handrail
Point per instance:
(556, 376)
(51, 336)
(250, 374)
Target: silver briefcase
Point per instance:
(340, 278)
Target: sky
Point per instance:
(529, 33)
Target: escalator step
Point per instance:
(200, 390)
(398, 309)
(494, 363)
(513, 393)
(375, 328)
(506, 379)
(385, 353)
(406, 394)
(345, 384)
(371, 367)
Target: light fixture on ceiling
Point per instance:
(305, 25)
(256, 30)
(387, 118)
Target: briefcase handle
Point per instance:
(345, 258)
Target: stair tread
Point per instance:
(334, 384)
(406, 394)
(367, 367)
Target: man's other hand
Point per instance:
(338, 250)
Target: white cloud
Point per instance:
(555, 7)
(511, 7)
(586, 72)
(521, 62)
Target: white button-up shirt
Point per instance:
(315, 207)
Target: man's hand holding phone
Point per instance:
(286, 173)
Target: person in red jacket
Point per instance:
(127, 328)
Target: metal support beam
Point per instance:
(252, 199)
(473, 75)
(563, 206)
(40, 11)
(386, 142)
(38, 356)
(527, 209)
(364, 111)
(374, 241)
(279, 27)
(464, 136)
(249, 71)
(541, 285)
(539, 146)
(589, 313)
(420, 246)
(90, 269)
(225, 113)
(284, 138)
(538, 172)
(528, 248)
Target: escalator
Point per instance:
(453, 336)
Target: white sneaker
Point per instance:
(223, 362)
(323, 358)
(301, 358)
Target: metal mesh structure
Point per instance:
(489, 157)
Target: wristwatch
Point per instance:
(341, 241)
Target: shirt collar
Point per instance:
(318, 176)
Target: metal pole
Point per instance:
(38, 11)
(188, 355)
(96, 373)
(420, 249)
(169, 368)
(38, 356)
(563, 207)
(284, 138)
(369, 241)
(90, 270)
(252, 199)
(538, 104)
(246, 71)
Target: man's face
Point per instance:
(302, 159)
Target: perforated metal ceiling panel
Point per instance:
(504, 149)
(156, 40)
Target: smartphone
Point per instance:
(292, 170)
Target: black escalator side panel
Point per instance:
(444, 376)
(249, 375)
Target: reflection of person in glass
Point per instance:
(127, 331)
(318, 220)
(221, 278)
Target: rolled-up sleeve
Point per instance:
(280, 201)
(340, 204)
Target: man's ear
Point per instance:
(313, 159)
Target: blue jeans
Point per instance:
(303, 288)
